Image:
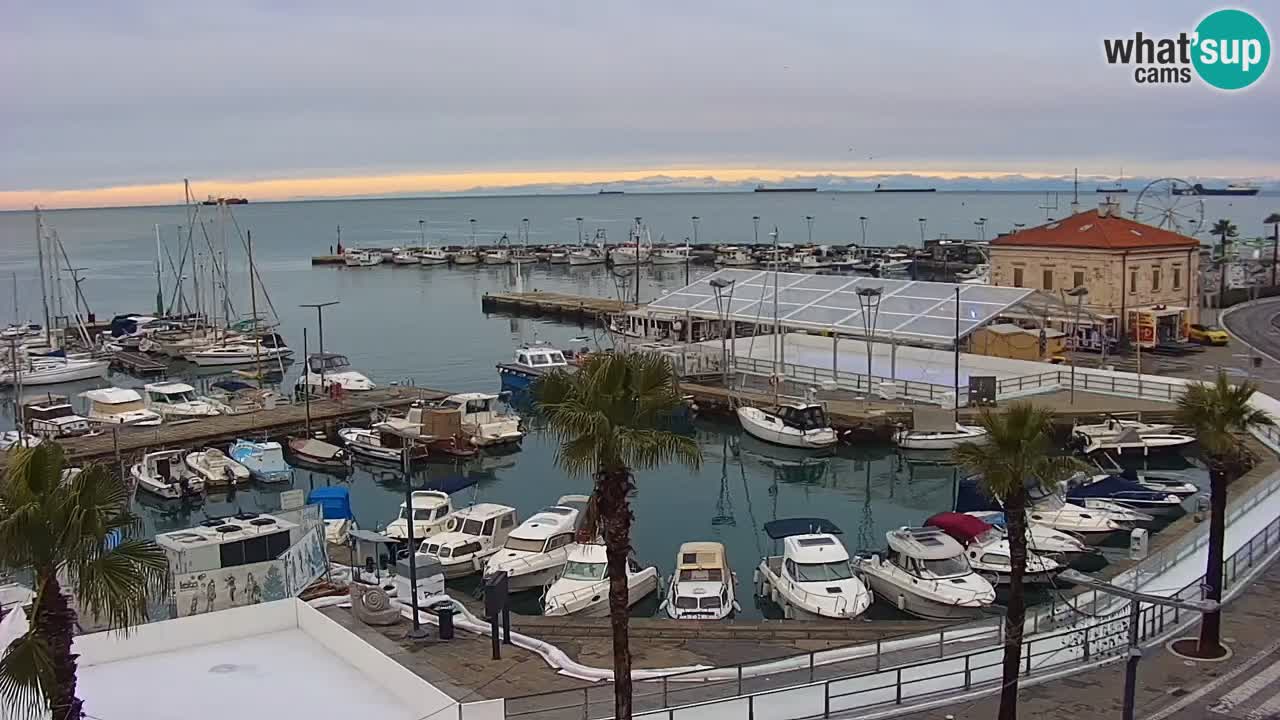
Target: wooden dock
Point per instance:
(223, 429)
(576, 308)
(138, 364)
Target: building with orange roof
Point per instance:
(1142, 281)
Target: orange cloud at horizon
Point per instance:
(398, 184)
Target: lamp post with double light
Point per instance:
(1079, 293)
(723, 306)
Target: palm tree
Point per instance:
(1018, 451)
(1274, 221)
(1225, 230)
(78, 530)
(609, 419)
(1218, 414)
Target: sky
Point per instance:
(115, 103)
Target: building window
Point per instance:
(1077, 279)
(1155, 279)
(1017, 277)
(1048, 279)
(1133, 282)
(1177, 277)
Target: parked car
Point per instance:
(1208, 334)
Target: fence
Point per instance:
(899, 670)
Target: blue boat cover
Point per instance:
(233, 385)
(786, 527)
(1114, 486)
(334, 501)
(970, 496)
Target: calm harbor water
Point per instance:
(425, 326)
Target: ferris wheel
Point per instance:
(1172, 204)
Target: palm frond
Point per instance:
(26, 676)
(646, 449)
(116, 584)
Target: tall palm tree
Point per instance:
(1225, 230)
(609, 419)
(1274, 221)
(1218, 414)
(78, 530)
(1018, 451)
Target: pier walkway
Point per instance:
(577, 308)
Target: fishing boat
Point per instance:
(361, 258)
(324, 371)
(637, 251)
(404, 257)
(558, 256)
(941, 439)
(703, 586)
(813, 577)
(466, 256)
(483, 419)
(595, 253)
(216, 468)
(45, 370)
(796, 425)
(265, 460)
(318, 455)
(988, 550)
(165, 475)
(237, 354)
(381, 445)
(440, 429)
(1124, 492)
(471, 535)
(501, 254)
(335, 509)
(176, 401)
(530, 363)
(433, 257)
(582, 588)
(678, 255)
(1041, 538)
(431, 509)
(52, 417)
(731, 256)
(925, 573)
(536, 551)
(119, 406)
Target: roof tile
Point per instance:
(1091, 230)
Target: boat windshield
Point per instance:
(702, 575)
(583, 571)
(810, 418)
(124, 407)
(524, 544)
(822, 572)
(423, 514)
(944, 568)
(329, 362)
(471, 527)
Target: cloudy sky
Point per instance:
(115, 102)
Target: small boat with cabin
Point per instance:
(483, 420)
(215, 468)
(471, 535)
(176, 401)
(318, 455)
(538, 548)
(582, 588)
(987, 548)
(530, 363)
(813, 578)
(165, 475)
(925, 573)
(440, 429)
(335, 507)
(1092, 526)
(237, 354)
(1041, 538)
(361, 258)
(119, 406)
(381, 445)
(433, 257)
(703, 587)
(52, 417)
(52, 370)
(796, 425)
(265, 460)
(431, 509)
(323, 371)
(1083, 489)
(1130, 441)
(731, 256)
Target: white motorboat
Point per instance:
(46, 370)
(265, 460)
(497, 256)
(558, 256)
(1093, 525)
(381, 444)
(1113, 427)
(1125, 492)
(471, 535)
(54, 418)
(119, 406)
(730, 256)
(404, 257)
(813, 578)
(703, 587)
(813, 261)
(925, 573)
(430, 510)
(980, 270)
(237, 354)
(797, 425)
(216, 468)
(466, 257)
(534, 552)
(624, 255)
(678, 255)
(944, 439)
(10, 439)
(325, 371)
(988, 551)
(483, 420)
(1130, 441)
(582, 588)
(432, 257)
(164, 474)
(587, 256)
(176, 400)
(1041, 538)
(361, 258)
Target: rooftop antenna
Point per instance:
(1046, 207)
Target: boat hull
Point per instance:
(777, 433)
(913, 604)
(73, 372)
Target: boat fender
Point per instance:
(452, 525)
(787, 613)
(902, 602)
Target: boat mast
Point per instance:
(159, 282)
(307, 392)
(16, 321)
(226, 283)
(44, 292)
(253, 309)
(776, 338)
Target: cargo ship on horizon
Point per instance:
(763, 188)
(1239, 189)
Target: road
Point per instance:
(1256, 324)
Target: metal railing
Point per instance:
(849, 381)
(907, 668)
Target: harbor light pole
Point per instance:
(982, 228)
(755, 222)
(869, 300)
(416, 632)
(808, 220)
(922, 222)
(320, 321)
(579, 231)
(1079, 293)
(688, 255)
(422, 232)
(722, 309)
(1274, 221)
(862, 220)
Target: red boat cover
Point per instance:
(960, 526)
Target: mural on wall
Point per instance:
(201, 592)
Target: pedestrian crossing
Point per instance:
(1257, 698)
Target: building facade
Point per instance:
(1136, 275)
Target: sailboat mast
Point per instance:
(226, 285)
(44, 291)
(159, 282)
(253, 307)
(776, 338)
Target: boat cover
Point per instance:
(334, 501)
(970, 496)
(960, 526)
(316, 449)
(1114, 486)
(233, 386)
(786, 527)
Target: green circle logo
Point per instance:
(1231, 49)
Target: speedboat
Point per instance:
(703, 587)
(939, 439)
(582, 588)
(335, 507)
(324, 371)
(216, 468)
(530, 363)
(1129, 441)
(1041, 538)
(534, 552)
(164, 474)
(484, 422)
(1123, 492)
(471, 535)
(175, 401)
(265, 460)
(237, 354)
(432, 257)
(813, 578)
(318, 455)
(361, 258)
(1093, 525)
(988, 551)
(1113, 427)
(381, 445)
(925, 573)
(431, 508)
(797, 425)
(119, 406)
(53, 370)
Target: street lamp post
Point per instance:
(808, 220)
(922, 222)
(722, 309)
(1079, 293)
(416, 632)
(422, 233)
(320, 321)
(869, 300)
(755, 223)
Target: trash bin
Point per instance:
(444, 611)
